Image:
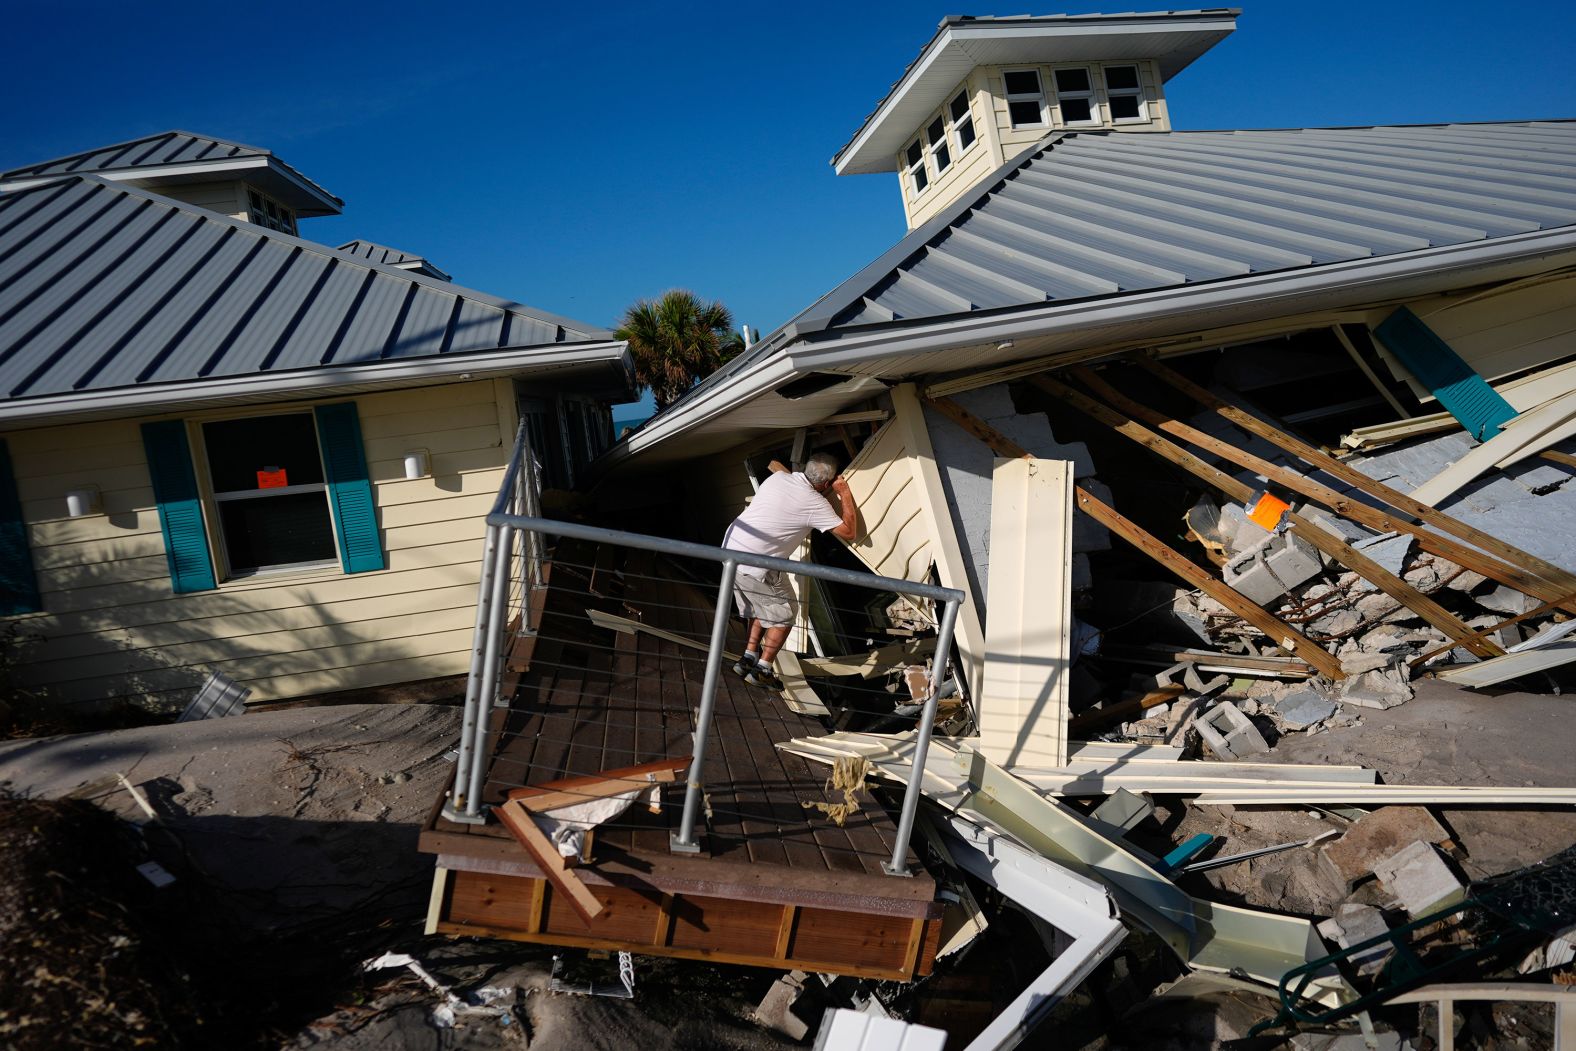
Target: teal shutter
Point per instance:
(18, 584)
(180, 507)
(349, 489)
(1463, 393)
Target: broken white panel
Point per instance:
(845, 1030)
(1080, 908)
(905, 522)
(1548, 649)
(1531, 432)
(1022, 709)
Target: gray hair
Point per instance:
(820, 469)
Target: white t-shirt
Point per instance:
(786, 507)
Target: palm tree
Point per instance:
(676, 340)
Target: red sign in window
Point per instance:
(272, 478)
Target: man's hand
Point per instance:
(849, 529)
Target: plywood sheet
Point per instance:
(1022, 709)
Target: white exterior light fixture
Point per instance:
(82, 502)
(418, 464)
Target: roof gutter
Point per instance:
(1279, 293)
(125, 401)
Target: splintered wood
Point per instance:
(522, 826)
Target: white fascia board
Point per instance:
(1194, 307)
(219, 166)
(304, 383)
(723, 398)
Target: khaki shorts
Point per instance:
(767, 599)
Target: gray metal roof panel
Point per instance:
(155, 151)
(104, 285)
(1182, 207)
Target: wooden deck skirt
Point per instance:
(776, 885)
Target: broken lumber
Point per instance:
(1279, 632)
(1092, 720)
(1362, 513)
(522, 826)
(1322, 539)
(875, 662)
(1550, 573)
(570, 791)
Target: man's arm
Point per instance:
(849, 528)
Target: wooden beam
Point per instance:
(544, 852)
(1279, 632)
(1561, 579)
(1343, 505)
(1322, 539)
(664, 928)
(1111, 713)
(785, 932)
(568, 791)
(1558, 457)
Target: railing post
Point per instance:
(684, 840)
(498, 583)
(460, 808)
(898, 866)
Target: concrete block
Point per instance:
(1302, 707)
(1354, 924)
(775, 1010)
(1229, 733)
(1269, 572)
(1378, 835)
(1384, 688)
(1419, 877)
(1390, 550)
(1161, 610)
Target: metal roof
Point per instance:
(1105, 213)
(1174, 39)
(106, 286)
(1107, 238)
(393, 257)
(170, 154)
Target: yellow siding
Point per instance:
(226, 198)
(967, 168)
(112, 626)
(1501, 331)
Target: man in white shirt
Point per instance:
(786, 507)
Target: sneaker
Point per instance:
(765, 678)
(744, 665)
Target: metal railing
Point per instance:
(511, 568)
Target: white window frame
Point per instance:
(216, 497)
(955, 123)
(937, 143)
(1094, 120)
(264, 211)
(1134, 92)
(1039, 96)
(912, 167)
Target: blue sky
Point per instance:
(575, 160)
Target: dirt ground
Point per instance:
(293, 837)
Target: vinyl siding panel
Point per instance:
(112, 626)
(1499, 332)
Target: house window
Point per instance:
(1075, 95)
(270, 493)
(914, 160)
(1124, 95)
(962, 121)
(1025, 98)
(265, 211)
(937, 134)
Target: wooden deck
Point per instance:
(776, 884)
